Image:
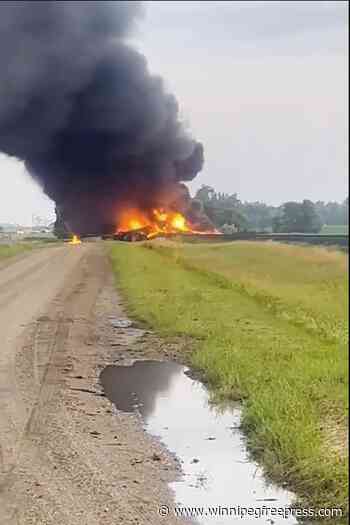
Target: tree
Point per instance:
(60, 229)
(222, 208)
(221, 216)
(345, 211)
(205, 194)
(311, 221)
(302, 217)
(333, 213)
(259, 215)
(295, 217)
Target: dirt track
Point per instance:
(65, 456)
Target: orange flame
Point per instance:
(75, 240)
(155, 222)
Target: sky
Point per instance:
(263, 85)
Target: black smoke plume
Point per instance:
(80, 108)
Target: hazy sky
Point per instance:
(262, 84)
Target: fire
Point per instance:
(75, 240)
(135, 224)
(132, 219)
(170, 222)
(179, 222)
(155, 222)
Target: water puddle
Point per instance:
(217, 471)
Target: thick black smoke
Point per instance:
(79, 106)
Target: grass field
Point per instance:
(8, 250)
(335, 229)
(269, 327)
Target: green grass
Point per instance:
(9, 250)
(335, 229)
(304, 285)
(258, 315)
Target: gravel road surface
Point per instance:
(66, 456)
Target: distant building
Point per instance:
(13, 232)
(8, 232)
(229, 229)
(6, 227)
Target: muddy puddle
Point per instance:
(208, 442)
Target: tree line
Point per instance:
(229, 213)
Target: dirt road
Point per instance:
(66, 456)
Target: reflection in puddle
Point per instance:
(208, 442)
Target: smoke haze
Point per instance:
(79, 107)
